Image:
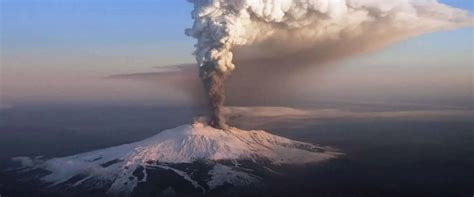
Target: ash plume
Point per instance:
(298, 33)
(214, 84)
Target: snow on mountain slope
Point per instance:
(185, 144)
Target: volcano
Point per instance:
(204, 157)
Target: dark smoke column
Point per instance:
(214, 85)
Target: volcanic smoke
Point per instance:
(308, 31)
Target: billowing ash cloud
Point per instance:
(303, 32)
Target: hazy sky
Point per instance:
(59, 51)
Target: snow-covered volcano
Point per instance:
(121, 168)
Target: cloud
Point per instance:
(247, 87)
(259, 116)
(182, 78)
(5, 106)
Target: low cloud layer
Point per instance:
(260, 116)
(246, 86)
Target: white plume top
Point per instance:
(221, 24)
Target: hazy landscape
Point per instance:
(430, 155)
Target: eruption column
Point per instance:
(298, 30)
(214, 84)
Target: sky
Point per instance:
(61, 51)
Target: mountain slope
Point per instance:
(121, 168)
